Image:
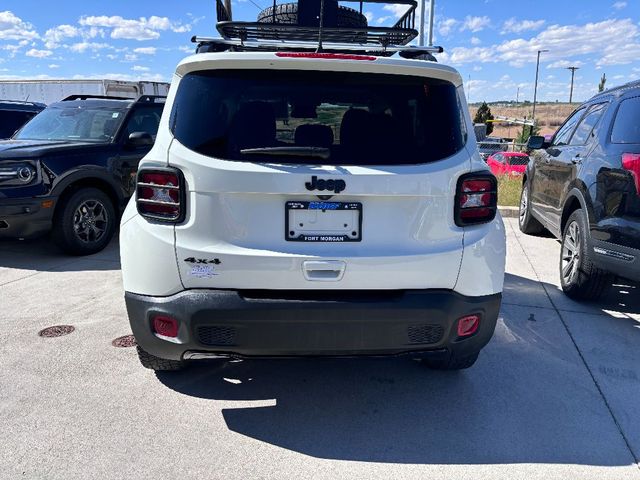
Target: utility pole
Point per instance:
(421, 29)
(432, 7)
(517, 96)
(573, 72)
(535, 91)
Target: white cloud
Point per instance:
(151, 77)
(565, 64)
(139, 68)
(475, 24)
(369, 16)
(446, 26)
(381, 20)
(82, 47)
(146, 50)
(53, 66)
(14, 28)
(619, 5)
(564, 42)
(129, 29)
(514, 26)
(397, 9)
(475, 41)
(55, 36)
(39, 53)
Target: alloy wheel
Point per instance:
(90, 221)
(571, 252)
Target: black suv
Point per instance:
(584, 187)
(71, 169)
(14, 115)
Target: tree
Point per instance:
(527, 131)
(483, 115)
(603, 80)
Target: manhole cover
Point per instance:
(125, 342)
(56, 331)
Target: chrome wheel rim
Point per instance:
(570, 252)
(524, 201)
(90, 221)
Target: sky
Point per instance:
(493, 43)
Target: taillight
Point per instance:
(334, 56)
(631, 162)
(160, 195)
(476, 199)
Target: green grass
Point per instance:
(509, 189)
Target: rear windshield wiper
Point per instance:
(313, 152)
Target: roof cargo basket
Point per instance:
(317, 25)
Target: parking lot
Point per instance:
(554, 395)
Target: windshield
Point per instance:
(73, 124)
(354, 118)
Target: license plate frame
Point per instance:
(325, 207)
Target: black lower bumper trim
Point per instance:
(25, 218)
(278, 324)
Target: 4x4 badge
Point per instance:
(318, 184)
(215, 261)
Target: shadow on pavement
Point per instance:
(528, 399)
(42, 255)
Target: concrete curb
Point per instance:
(508, 212)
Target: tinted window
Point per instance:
(587, 124)
(564, 134)
(626, 128)
(144, 120)
(10, 121)
(352, 118)
(73, 124)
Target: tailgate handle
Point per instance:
(323, 270)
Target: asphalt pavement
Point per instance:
(555, 395)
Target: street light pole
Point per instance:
(535, 92)
(573, 71)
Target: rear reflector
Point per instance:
(165, 326)
(631, 162)
(468, 325)
(159, 195)
(331, 56)
(476, 199)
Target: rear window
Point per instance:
(317, 117)
(519, 160)
(12, 120)
(626, 127)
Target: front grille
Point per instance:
(216, 335)
(425, 334)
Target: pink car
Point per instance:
(508, 163)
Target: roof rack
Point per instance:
(270, 35)
(211, 44)
(140, 99)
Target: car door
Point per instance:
(546, 164)
(145, 119)
(566, 165)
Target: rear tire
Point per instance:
(159, 364)
(579, 277)
(84, 222)
(287, 13)
(452, 363)
(526, 222)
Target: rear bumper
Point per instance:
(617, 259)
(24, 218)
(312, 323)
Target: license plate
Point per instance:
(323, 221)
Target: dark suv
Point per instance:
(14, 115)
(71, 169)
(584, 187)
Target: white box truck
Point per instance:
(49, 91)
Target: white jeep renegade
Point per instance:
(313, 204)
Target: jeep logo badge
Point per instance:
(318, 184)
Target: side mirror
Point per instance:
(140, 139)
(536, 142)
